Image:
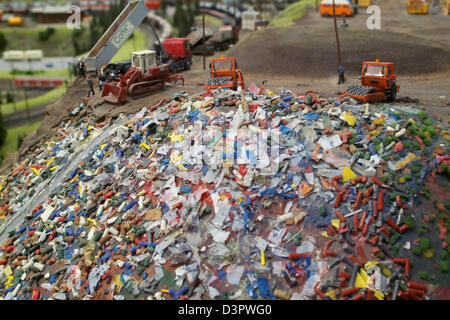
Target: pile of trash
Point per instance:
(231, 195)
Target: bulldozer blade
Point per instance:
(114, 94)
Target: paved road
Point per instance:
(56, 63)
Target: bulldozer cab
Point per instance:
(378, 74)
(223, 67)
(144, 60)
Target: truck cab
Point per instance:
(178, 48)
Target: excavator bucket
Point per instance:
(114, 94)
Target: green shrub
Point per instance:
(416, 251)
(424, 275)
(424, 243)
(443, 265)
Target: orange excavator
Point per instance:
(144, 77)
(224, 73)
(378, 83)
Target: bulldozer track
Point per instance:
(146, 87)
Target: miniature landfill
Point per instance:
(272, 196)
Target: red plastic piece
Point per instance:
(341, 216)
(35, 295)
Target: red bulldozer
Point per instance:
(144, 77)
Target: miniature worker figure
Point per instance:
(91, 87)
(104, 71)
(101, 84)
(341, 74)
(81, 68)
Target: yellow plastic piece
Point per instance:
(51, 161)
(370, 264)
(103, 146)
(331, 294)
(175, 158)
(8, 271)
(387, 272)
(336, 223)
(351, 120)
(144, 145)
(173, 137)
(9, 282)
(361, 279)
(263, 258)
(378, 294)
(35, 171)
(54, 168)
(402, 163)
(74, 179)
(118, 284)
(164, 290)
(378, 121)
(324, 234)
(366, 108)
(348, 174)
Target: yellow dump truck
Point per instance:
(364, 3)
(15, 21)
(417, 7)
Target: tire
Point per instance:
(187, 64)
(392, 94)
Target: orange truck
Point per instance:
(342, 8)
(417, 7)
(224, 73)
(378, 83)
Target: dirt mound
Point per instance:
(309, 49)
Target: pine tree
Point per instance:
(76, 46)
(3, 42)
(190, 15)
(197, 6)
(164, 8)
(93, 35)
(183, 27)
(178, 13)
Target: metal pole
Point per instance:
(204, 45)
(337, 36)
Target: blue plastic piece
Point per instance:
(221, 274)
(185, 189)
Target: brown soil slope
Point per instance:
(421, 45)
